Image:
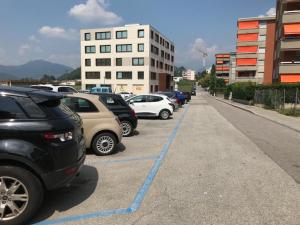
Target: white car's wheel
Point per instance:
(164, 114)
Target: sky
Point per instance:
(49, 30)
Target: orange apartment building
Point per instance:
(255, 50)
(223, 66)
(287, 47)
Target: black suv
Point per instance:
(41, 147)
(122, 110)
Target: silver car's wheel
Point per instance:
(164, 114)
(14, 198)
(104, 144)
(127, 128)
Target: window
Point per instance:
(154, 50)
(140, 47)
(108, 75)
(167, 45)
(103, 35)
(157, 64)
(66, 90)
(105, 48)
(92, 75)
(157, 38)
(261, 50)
(139, 99)
(110, 101)
(119, 61)
(141, 33)
(80, 105)
(87, 62)
(161, 65)
(152, 34)
(87, 36)
(31, 109)
(153, 76)
(155, 98)
(153, 62)
(90, 49)
(162, 53)
(103, 62)
(124, 75)
(10, 109)
(124, 48)
(262, 38)
(172, 48)
(121, 34)
(141, 75)
(138, 61)
(172, 58)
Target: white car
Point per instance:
(151, 105)
(49, 87)
(126, 95)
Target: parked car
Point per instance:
(126, 95)
(97, 90)
(152, 105)
(182, 98)
(193, 93)
(41, 147)
(122, 110)
(49, 87)
(187, 95)
(172, 97)
(102, 129)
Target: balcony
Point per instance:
(246, 55)
(246, 68)
(291, 17)
(290, 43)
(248, 31)
(289, 67)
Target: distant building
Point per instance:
(255, 48)
(225, 66)
(287, 47)
(177, 79)
(189, 75)
(134, 58)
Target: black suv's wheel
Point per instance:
(164, 114)
(127, 128)
(104, 144)
(21, 194)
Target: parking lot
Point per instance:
(114, 184)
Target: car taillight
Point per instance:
(49, 136)
(133, 113)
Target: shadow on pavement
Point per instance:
(66, 198)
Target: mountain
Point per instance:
(74, 75)
(33, 69)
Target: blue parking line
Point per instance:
(130, 159)
(135, 205)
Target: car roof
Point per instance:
(36, 95)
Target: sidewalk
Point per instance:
(286, 121)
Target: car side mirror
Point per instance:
(131, 102)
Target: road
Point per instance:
(211, 164)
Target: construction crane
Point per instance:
(204, 56)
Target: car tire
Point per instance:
(164, 114)
(104, 144)
(27, 185)
(127, 128)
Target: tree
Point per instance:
(47, 78)
(178, 71)
(74, 75)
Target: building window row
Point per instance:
(161, 65)
(120, 75)
(123, 34)
(119, 48)
(161, 41)
(119, 62)
(124, 48)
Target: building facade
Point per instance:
(255, 49)
(133, 58)
(223, 66)
(287, 47)
(189, 75)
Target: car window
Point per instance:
(139, 99)
(108, 100)
(66, 90)
(155, 98)
(10, 109)
(80, 105)
(32, 109)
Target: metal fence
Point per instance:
(286, 101)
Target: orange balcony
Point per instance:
(247, 37)
(290, 78)
(247, 49)
(248, 25)
(246, 62)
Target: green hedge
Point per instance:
(246, 90)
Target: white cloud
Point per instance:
(72, 60)
(94, 11)
(59, 32)
(271, 12)
(32, 46)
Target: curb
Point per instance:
(259, 115)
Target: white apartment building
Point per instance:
(133, 58)
(189, 75)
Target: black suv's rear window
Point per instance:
(57, 109)
(10, 109)
(31, 108)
